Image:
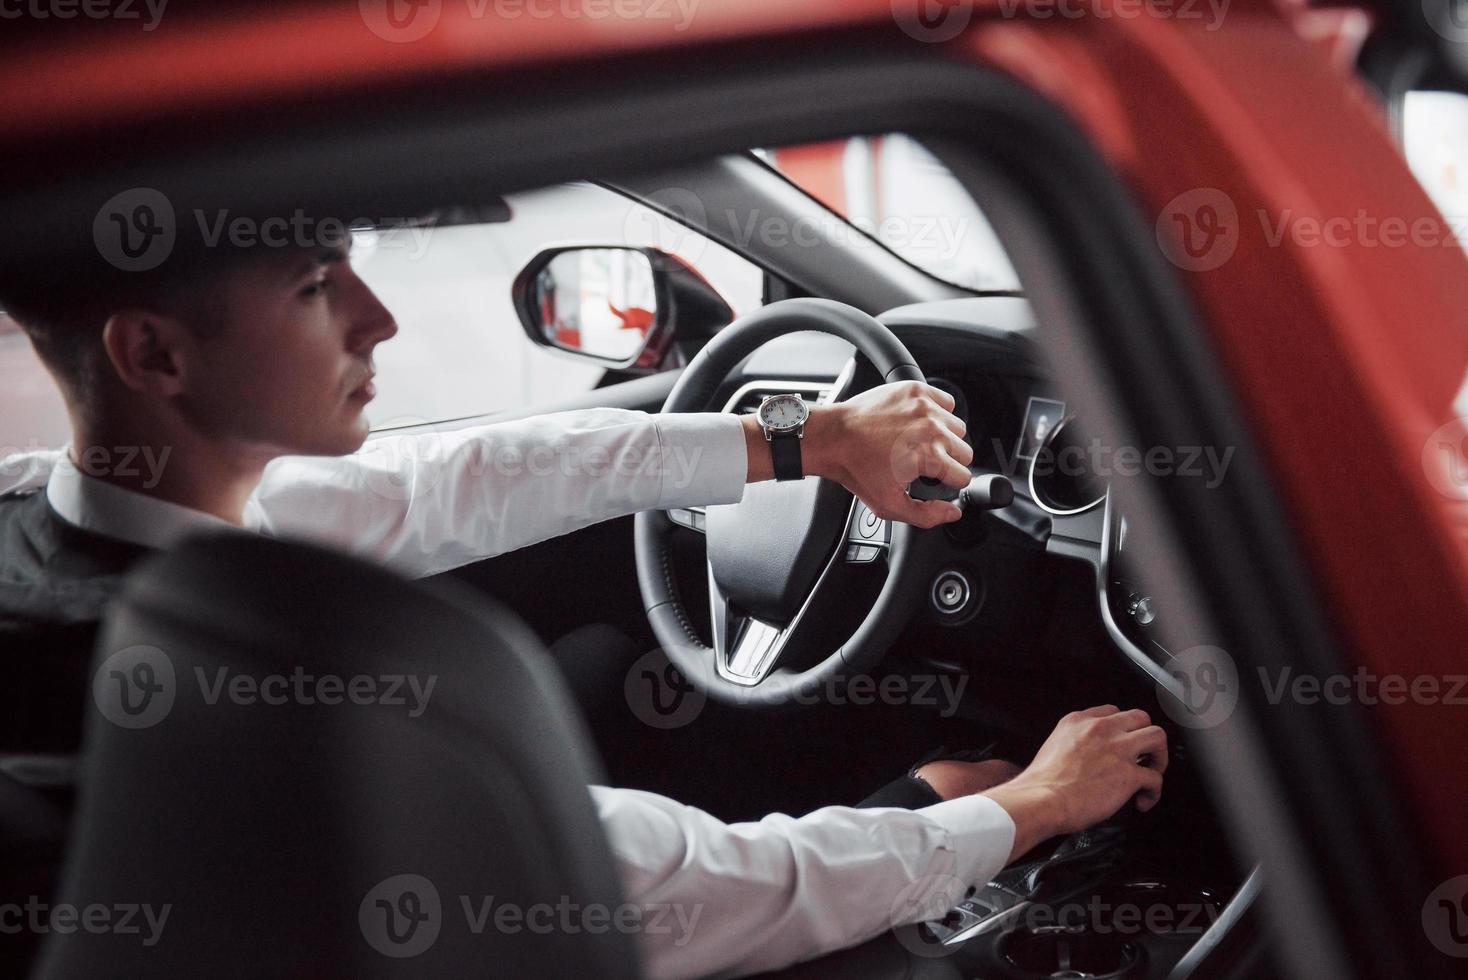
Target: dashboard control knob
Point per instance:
(1143, 609)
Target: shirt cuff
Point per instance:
(704, 459)
(982, 834)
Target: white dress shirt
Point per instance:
(718, 899)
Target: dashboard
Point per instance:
(984, 352)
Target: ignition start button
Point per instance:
(951, 591)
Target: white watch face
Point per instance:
(781, 413)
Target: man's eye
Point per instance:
(316, 288)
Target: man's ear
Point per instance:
(150, 352)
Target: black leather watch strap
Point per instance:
(785, 453)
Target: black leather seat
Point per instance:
(308, 838)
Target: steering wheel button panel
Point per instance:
(693, 518)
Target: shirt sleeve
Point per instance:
(723, 899)
(428, 502)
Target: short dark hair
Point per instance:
(63, 300)
(63, 308)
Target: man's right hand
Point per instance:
(1089, 768)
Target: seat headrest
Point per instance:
(320, 768)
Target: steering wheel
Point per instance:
(771, 553)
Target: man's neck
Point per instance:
(181, 468)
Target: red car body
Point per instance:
(1346, 360)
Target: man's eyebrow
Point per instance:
(316, 258)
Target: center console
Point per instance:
(1090, 906)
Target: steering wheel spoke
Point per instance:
(745, 649)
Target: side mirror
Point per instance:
(614, 304)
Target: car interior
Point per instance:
(1071, 580)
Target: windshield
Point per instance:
(894, 190)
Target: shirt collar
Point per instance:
(103, 508)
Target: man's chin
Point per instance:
(341, 443)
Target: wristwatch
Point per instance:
(782, 417)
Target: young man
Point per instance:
(247, 374)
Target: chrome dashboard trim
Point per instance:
(1152, 668)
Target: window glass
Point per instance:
(892, 189)
(460, 349)
(32, 415)
(1435, 140)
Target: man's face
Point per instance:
(285, 365)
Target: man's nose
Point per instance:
(372, 323)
